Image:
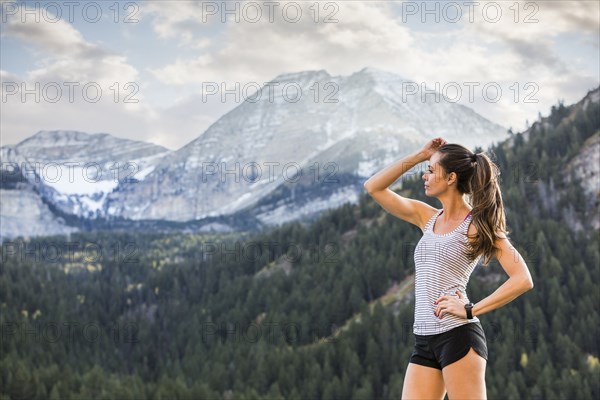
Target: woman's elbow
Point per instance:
(523, 282)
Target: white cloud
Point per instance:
(366, 34)
(179, 20)
(256, 52)
(531, 32)
(68, 64)
(65, 56)
(59, 38)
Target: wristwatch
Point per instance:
(469, 308)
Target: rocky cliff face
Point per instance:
(586, 167)
(38, 220)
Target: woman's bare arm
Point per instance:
(519, 279)
(384, 178)
(414, 211)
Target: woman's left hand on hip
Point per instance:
(451, 305)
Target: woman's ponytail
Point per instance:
(488, 207)
(477, 177)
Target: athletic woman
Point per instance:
(450, 351)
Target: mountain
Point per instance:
(264, 163)
(247, 160)
(70, 171)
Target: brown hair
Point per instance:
(477, 176)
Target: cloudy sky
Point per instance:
(137, 70)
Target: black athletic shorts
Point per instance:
(439, 350)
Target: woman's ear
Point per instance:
(451, 178)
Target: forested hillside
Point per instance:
(142, 315)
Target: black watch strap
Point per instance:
(469, 308)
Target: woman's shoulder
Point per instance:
(429, 215)
(432, 212)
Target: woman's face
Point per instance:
(433, 176)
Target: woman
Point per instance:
(450, 352)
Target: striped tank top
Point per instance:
(440, 268)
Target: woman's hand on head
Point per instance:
(432, 146)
